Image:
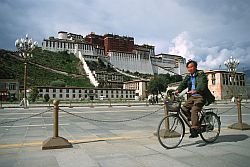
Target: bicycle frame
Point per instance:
(180, 113)
(184, 118)
(171, 128)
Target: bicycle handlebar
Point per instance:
(181, 94)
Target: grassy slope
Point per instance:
(11, 67)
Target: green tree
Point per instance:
(160, 82)
(34, 94)
(46, 97)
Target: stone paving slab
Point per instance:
(126, 144)
(144, 151)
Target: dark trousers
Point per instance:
(193, 104)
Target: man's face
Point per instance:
(191, 68)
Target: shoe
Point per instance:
(194, 133)
(203, 128)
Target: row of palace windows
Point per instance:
(230, 80)
(96, 96)
(9, 86)
(109, 77)
(90, 91)
(67, 44)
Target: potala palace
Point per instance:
(119, 51)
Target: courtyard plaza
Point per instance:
(117, 135)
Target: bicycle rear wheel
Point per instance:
(171, 131)
(210, 124)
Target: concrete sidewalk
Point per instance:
(79, 104)
(99, 103)
(135, 148)
(126, 144)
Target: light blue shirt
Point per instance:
(193, 84)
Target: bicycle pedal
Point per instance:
(203, 129)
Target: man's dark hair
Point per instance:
(191, 61)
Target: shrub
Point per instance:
(34, 94)
(46, 97)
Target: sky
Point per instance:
(208, 31)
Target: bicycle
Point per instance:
(171, 129)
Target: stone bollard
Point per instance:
(129, 105)
(56, 142)
(110, 103)
(70, 105)
(91, 104)
(166, 114)
(164, 132)
(1, 106)
(239, 125)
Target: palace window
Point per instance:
(213, 79)
(12, 86)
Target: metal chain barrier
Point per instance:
(245, 106)
(112, 121)
(226, 110)
(2, 123)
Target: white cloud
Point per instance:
(209, 31)
(182, 46)
(208, 57)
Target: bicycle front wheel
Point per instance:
(171, 131)
(210, 124)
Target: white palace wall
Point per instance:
(131, 62)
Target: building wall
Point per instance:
(140, 87)
(76, 93)
(169, 64)
(95, 40)
(118, 43)
(221, 85)
(113, 76)
(73, 43)
(109, 80)
(9, 88)
(131, 62)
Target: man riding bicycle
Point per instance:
(199, 95)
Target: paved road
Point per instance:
(115, 136)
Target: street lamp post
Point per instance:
(25, 47)
(232, 65)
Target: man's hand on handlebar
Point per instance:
(192, 92)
